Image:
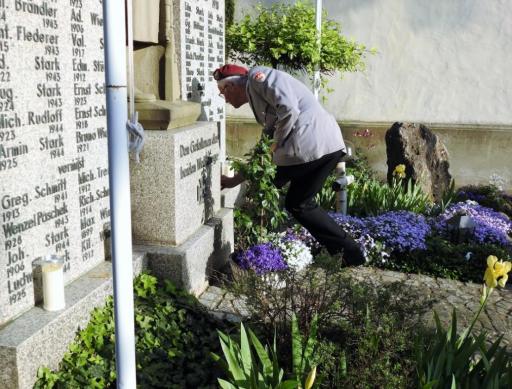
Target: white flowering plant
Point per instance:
(295, 253)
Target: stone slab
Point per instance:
(40, 338)
(167, 115)
(176, 187)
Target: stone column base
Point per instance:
(191, 264)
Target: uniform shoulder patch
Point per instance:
(259, 76)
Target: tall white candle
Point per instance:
(53, 287)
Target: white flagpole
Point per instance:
(119, 178)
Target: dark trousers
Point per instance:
(306, 180)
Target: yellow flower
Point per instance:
(496, 272)
(399, 171)
(310, 380)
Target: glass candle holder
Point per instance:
(53, 282)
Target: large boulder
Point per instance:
(425, 157)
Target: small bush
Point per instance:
(261, 211)
(366, 335)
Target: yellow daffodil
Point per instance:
(399, 171)
(496, 272)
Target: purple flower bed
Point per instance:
(261, 258)
(358, 229)
(490, 226)
(400, 231)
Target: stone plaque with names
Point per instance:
(202, 51)
(54, 195)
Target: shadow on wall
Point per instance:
(196, 95)
(204, 190)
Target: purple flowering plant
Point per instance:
(400, 231)
(356, 227)
(490, 226)
(396, 231)
(261, 258)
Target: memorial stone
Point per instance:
(202, 51)
(176, 212)
(54, 193)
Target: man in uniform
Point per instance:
(307, 145)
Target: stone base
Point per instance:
(166, 115)
(176, 187)
(40, 338)
(191, 264)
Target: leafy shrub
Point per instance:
(374, 346)
(304, 293)
(173, 335)
(261, 211)
(285, 35)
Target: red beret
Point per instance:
(229, 70)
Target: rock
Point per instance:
(425, 157)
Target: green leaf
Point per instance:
(245, 351)
(296, 348)
(225, 384)
(231, 358)
(311, 341)
(262, 354)
(288, 384)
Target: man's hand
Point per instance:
(230, 182)
(273, 147)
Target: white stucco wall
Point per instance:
(438, 61)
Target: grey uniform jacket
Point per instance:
(303, 130)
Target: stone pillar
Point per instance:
(172, 76)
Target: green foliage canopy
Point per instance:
(285, 35)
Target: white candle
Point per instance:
(53, 287)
